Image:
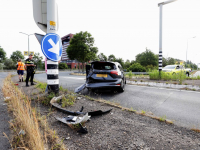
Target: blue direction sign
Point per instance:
(51, 46)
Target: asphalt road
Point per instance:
(183, 107)
(197, 74)
(4, 118)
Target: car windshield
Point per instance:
(104, 66)
(170, 67)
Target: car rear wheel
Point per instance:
(122, 86)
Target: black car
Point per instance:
(107, 74)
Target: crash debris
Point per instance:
(76, 119)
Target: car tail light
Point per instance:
(114, 72)
(118, 84)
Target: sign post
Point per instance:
(46, 17)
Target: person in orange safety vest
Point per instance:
(20, 70)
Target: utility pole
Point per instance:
(160, 34)
(28, 41)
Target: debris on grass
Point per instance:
(76, 118)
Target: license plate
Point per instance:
(102, 75)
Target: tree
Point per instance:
(102, 57)
(171, 61)
(147, 58)
(9, 64)
(136, 68)
(132, 62)
(81, 48)
(37, 59)
(16, 56)
(111, 57)
(164, 62)
(127, 64)
(62, 66)
(2, 55)
(120, 60)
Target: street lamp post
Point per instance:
(28, 40)
(160, 33)
(187, 50)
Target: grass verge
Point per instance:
(27, 119)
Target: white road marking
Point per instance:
(74, 78)
(166, 89)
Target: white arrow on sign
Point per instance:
(55, 47)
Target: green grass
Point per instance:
(41, 85)
(193, 78)
(162, 118)
(68, 100)
(62, 89)
(130, 75)
(132, 110)
(143, 112)
(46, 99)
(154, 75)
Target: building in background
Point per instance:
(73, 64)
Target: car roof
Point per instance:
(105, 62)
(116, 63)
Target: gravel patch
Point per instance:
(118, 129)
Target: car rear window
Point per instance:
(104, 66)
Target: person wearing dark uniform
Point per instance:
(29, 69)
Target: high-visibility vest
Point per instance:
(20, 66)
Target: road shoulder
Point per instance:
(120, 129)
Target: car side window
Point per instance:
(119, 68)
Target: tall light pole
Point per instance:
(160, 33)
(187, 50)
(28, 40)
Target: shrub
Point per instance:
(151, 67)
(62, 66)
(136, 68)
(130, 75)
(154, 75)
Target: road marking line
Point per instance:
(177, 90)
(74, 78)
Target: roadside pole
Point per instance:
(160, 5)
(46, 17)
(52, 66)
(160, 43)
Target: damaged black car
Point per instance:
(101, 74)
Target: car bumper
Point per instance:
(115, 84)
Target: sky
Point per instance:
(124, 28)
